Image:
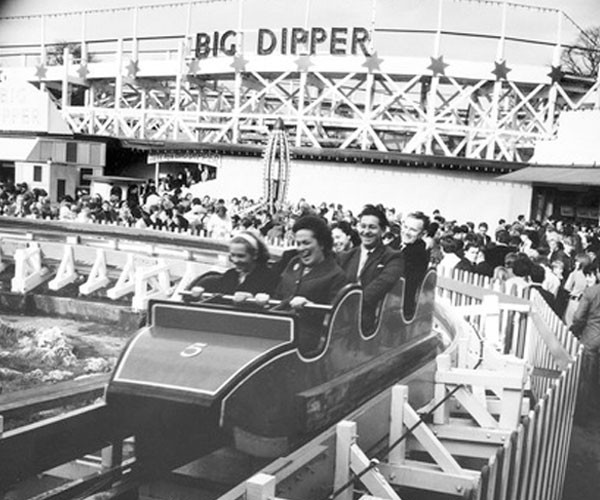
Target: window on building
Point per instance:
(37, 173)
(84, 176)
(61, 189)
(71, 152)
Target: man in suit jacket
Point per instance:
(372, 264)
(416, 258)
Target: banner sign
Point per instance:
(289, 41)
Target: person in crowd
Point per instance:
(219, 224)
(450, 248)
(586, 327)
(482, 234)
(469, 261)
(575, 284)
(372, 264)
(494, 255)
(520, 267)
(551, 281)
(537, 276)
(344, 236)
(416, 257)
(250, 272)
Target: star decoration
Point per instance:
(40, 71)
(83, 71)
(500, 70)
(556, 74)
(438, 66)
(303, 63)
(132, 68)
(193, 67)
(239, 63)
(372, 62)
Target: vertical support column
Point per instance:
(118, 85)
(367, 111)
(43, 47)
(238, 77)
(397, 428)
(491, 322)
(442, 413)
(178, 84)
(301, 95)
(65, 97)
(435, 80)
(345, 438)
(84, 53)
(552, 93)
(134, 41)
(497, 92)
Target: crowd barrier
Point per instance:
(532, 463)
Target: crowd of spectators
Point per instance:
(516, 253)
(559, 259)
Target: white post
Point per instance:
(260, 487)
(345, 438)
(397, 428)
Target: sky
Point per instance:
(523, 23)
(584, 12)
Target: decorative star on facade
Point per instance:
(438, 66)
(40, 71)
(239, 63)
(193, 67)
(556, 74)
(303, 63)
(133, 68)
(372, 62)
(500, 70)
(83, 71)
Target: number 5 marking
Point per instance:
(193, 350)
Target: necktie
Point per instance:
(364, 256)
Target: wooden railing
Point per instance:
(532, 463)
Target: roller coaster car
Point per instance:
(202, 374)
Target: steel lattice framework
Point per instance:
(392, 103)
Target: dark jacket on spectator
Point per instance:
(381, 271)
(416, 262)
(321, 284)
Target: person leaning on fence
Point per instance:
(586, 327)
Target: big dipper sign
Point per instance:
(292, 41)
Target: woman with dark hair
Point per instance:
(251, 273)
(313, 274)
(344, 237)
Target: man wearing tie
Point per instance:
(372, 264)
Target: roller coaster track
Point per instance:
(536, 449)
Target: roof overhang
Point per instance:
(573, 175)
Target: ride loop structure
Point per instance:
(422, 79)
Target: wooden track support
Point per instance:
(98, 277)
(66, 273)
(192, 271)
(126, 282)
(151, 283)
(29, 271)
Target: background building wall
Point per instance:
(457, 194)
